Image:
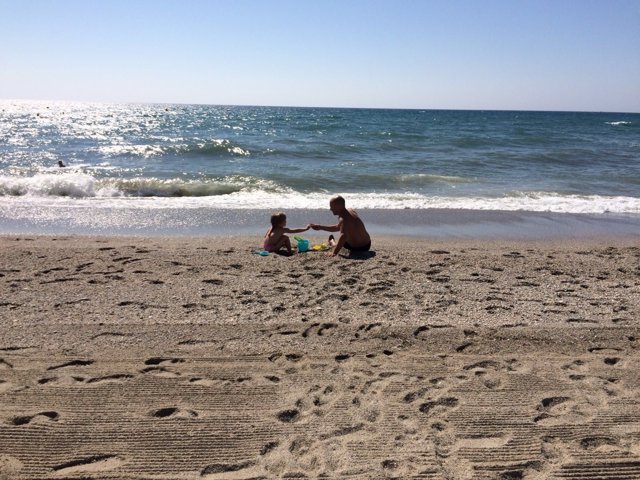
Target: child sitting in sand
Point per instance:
(275, 238)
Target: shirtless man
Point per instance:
(353, 234)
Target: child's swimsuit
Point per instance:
(363, 248)
(268, 247)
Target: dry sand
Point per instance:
(194, 358)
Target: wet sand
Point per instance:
(189, 358)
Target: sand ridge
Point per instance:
(194, 358)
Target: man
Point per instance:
(353, 234)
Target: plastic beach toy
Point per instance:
(303, 245)
(263, 253)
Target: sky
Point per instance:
(578, 55)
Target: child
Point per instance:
(275, 237)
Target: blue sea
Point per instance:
(200, 169)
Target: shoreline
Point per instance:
(192, 357)
(428, 223)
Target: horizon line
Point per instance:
(314, 107)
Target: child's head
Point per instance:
(278, 220)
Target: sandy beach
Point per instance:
(189, 358)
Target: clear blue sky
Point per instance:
(460, 54)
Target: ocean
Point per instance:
(202, 169)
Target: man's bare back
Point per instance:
(353, 234)
(353, 229)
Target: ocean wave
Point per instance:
(425, 179)
(215, 147)
(248, 192)
(621, 122)
(259, 199)
(212, 147)
(153, 187)
(144, 151)
(80, 185)
(68, 185)
(530, 201)
(388, 182)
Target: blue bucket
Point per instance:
(303, 245)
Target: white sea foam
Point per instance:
(534, 202)
(253, 193)
(428, 178)
(135, 150)
(74, 183)
(48, 185)
(621, 122)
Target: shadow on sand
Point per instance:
(361, 255)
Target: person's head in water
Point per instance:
(61, 164)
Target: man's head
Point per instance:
(337, 205)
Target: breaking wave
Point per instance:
(79, 185)
(249, 192)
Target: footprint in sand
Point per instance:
(206, 382)
(600, 443)
(288, 416)
(412, 396)
(220, 381)
(268, 447)
(419, 330)
(161, 360)
(160, 372)
(342, 357)
(562, 410)
(26, 419)
(463, 347)
(483, 365)
(73, 363)
(173, 412)
(576, 365)
(93, 464)
(158, 366)
(612, 360)
(116, 377)
(436, 407)
(231, 470)
(367, 328)
(4, 365)
(62, 380)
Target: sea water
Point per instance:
(198, 169)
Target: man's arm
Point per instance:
(338, 246)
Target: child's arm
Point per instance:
(296, 230)
(326, 228)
